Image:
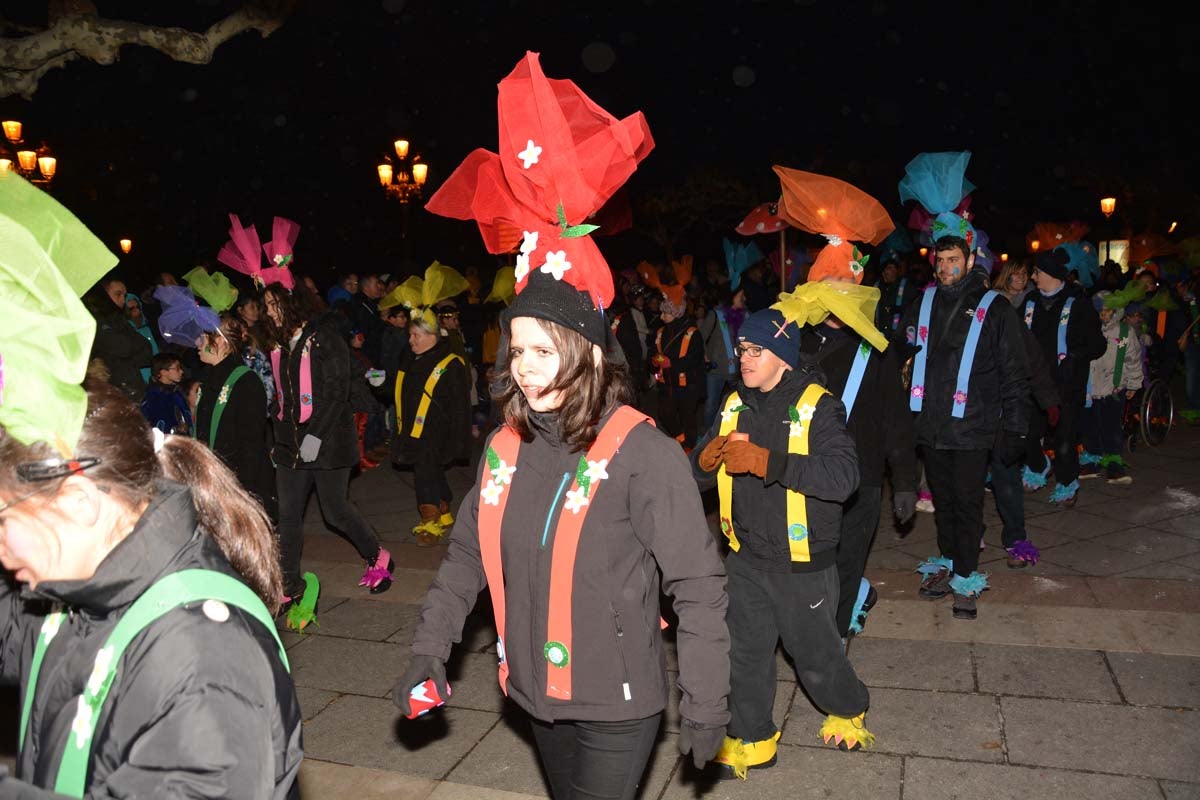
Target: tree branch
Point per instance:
(24, 60)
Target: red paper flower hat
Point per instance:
(561, 158)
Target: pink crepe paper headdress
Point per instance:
(241, 252)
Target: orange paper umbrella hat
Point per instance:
(838, 211)
(561, 157)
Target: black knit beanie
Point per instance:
(558, 301)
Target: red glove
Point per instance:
(744, 457)
(1052, 416)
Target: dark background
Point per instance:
(1060, 103)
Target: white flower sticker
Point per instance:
(795, 428)
(522, 267)
(576, 500)
(491, 493)
(82, 724)
(556, 264)
(99, 670)
(529, 243)
(806, 412)
(727, 415)
(597, 470)
(51, 624)
(503, 473)
(529, 156)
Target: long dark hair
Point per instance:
(590, 390)
(116, 432)
(293, 307)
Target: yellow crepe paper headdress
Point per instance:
(504, 287)
(419, 296)
(813, 302)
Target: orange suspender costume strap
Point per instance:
(505, 445)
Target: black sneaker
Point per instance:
(936, 585)
(964, 606)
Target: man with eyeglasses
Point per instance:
(783, 465)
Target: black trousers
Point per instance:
(1009, 495)
(801, 609)
(429, 480)
(860, 518)
(586, 759)
(956, 479)
(1066, 442)
(1104, 425)
(677, 410)
(338, 512)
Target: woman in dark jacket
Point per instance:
(122, 349)
(571, 534)
(433, 420)
(229, 414)
(316, 443)
(199, 702)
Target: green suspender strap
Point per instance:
(800, 415)
(426, 397)
(1119, 367)
(169, 592)
(222, 401)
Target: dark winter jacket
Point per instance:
(447, 433)
(393, 349)
(998, 387)
(646, 525)
(717, 334)
(880, 424)
(1085, 341)
(690, 366)
(165, 408)
(827, 476)
(632, 346)
(199, 708)
(889, 306)
(1041, 380)
(241, 441)
(122, 349)
(332, 421)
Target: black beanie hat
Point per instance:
(546, 298)
(1053, 263)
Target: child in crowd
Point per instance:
(1114, 378)
(164, 405)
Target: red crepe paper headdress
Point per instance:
(241, 252)
(561, 158)
(839, 212)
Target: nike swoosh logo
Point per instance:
(814, 605)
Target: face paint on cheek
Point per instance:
(955, 271)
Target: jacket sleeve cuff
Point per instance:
(776, 467)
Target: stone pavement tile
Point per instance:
(941, 724)
(407, 555)
(902, 619)
(459, 791)
(800, 773)
(1149, 679)
(1168, 503)
(341, 580)
(894, 584)
(327, 546)
(1084, 628)
(907, 664)
(505, 759)
(1049, 569)
(1167, 632)
(1187, 525)
(1122, 740)
(1041, 537)
(785, 693)
(1145, 595)
(1092, 558)
(347, 665)
(368, 619)
(1192, 561)
(1030, 587)
(937, 779)
(1149, 541)
(1180, 791)
(324, 779)
(1173, 572)
(366, 732)
(474, 682)
(998, 623)
(1044, 672)
(313, 701)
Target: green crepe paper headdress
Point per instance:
(1122, 297)
(1162, 302)
(48, 259)
(214, 289)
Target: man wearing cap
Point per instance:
(1067, 329)
(783, 465)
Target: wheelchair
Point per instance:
(1149, 415)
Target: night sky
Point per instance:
(1060, 103)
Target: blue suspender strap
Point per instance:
(917, 393)
(1029, 314)
(855, 378)
(968, 354)
(726, 339)
(1063, 319)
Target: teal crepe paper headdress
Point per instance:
(738, 259)
(938, 181)
(1084, 259)
(48, 259)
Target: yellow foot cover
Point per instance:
(446, 520)
(848, 733)
(429, 526)
(740, 755)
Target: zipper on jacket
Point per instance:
(550, 514)
(621, 652)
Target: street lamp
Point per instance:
(37, 166)
(126, 245)
(402, 180)
(1107, 206)
(1034, 245)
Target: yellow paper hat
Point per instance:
(504, 287)
(420, 295)
(812, 303)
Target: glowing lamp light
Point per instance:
(1172, 228)
(1108, 205)
(48, 165)
(420, 173)
(6, 165)
(385, 174)
(1003, 257)
(1034, 245)
(27, 159)
(126, 245)
(12, 130)
(924, 251)
(401, 146)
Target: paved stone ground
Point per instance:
(1080, 679)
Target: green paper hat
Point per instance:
(1162, 302)
(48, 259)
(215, 289)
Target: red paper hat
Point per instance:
(561, 158)
(763, 218)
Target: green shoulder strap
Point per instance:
(222, 401)
(171, 591)
(1119, 367)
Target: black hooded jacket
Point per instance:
(1084, 340)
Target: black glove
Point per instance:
(419, 669)
(1010, 447)
(905, 505)
(702, 741)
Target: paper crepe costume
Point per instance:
(183, 320)
(214, 289)
(738, 259)
(420, 295)
(241, 252)
(938, 182)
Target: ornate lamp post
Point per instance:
(37, 166)
(402, 180)
(1107, 206)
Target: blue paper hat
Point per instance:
(938, 181)
(1084, 258)
(950, 224)
(738, 259)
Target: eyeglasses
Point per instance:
(752, 350)
(447, 314)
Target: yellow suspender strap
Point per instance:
(801, 415)
(426, 396)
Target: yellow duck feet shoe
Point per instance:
(428, 531)
(445, 518)
(738, 756)
(848, 733)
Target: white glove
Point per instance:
(375, 377)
